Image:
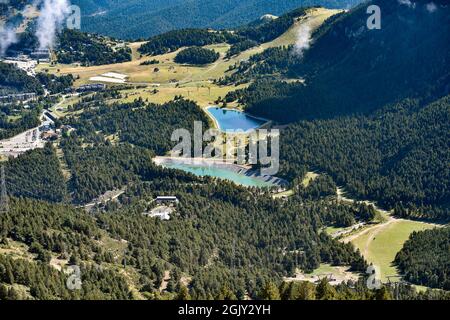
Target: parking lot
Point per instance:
(25, 141)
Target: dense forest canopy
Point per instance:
(88, 49)
(100, 168)
(65, 233)
(197, 56)
(139, 123)
(350, 69)
(185, 245)
(14, 80)
(142, 19)
(371, 119)
(399, 156)
(211, 217)
(153, 240)
(216, 230)
(425, 258)
(37, 174)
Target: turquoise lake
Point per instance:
(228, 119)
(220, 173)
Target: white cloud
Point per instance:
(431, 7)
(303, 40)
(51, 17)
(7, 38)
(407, 3)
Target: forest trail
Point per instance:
(387, 220)
(342, 198)
(379, 243)
(377, 228)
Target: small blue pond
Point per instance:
(228, 119)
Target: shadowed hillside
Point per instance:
(351, 69)
(141, 19)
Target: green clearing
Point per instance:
(171, 79)
(288, 193)
(310, 176)
(332, 230)
(323, 269)
(14, 118)
(380, 245)
(338, 273)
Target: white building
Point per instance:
(167, 199)
(161, 212)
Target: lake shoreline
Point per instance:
(261, 121)
(241, 170)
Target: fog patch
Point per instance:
(407, 3)
(431, 7)
(303, 41)
(51, 18)
(7, 38)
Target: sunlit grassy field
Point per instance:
(171, 79)
(379, 246)
(204, 95)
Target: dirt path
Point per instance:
(389, 219)
(108, 196)
(373, 230)
(67, 173)
(377, 231)
(377, 227)
(341, 197)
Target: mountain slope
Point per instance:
(351, 69)
(141, 19)
(398, 157)
(117, 7)
(14, 80)
(425, 258)
(376, 141)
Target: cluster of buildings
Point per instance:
(28, 61)
(24, 63)
(48, 132)
(18, 97)
(166, 206)
(41, 55)
(93, 87)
